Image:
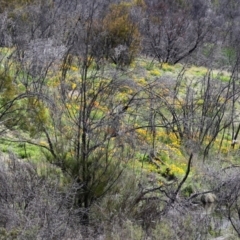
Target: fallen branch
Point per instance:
(184, 179)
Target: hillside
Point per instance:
(136, 125)
(119, 119)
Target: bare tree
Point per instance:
(174, 30)
(86, 129)
(197, 111)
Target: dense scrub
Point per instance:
(117, 118)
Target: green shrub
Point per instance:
(122, 34)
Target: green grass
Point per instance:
(142, 72)
(223, 76)
(22, 150)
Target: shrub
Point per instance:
(122, 34)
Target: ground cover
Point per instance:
(148, 119)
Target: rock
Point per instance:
(208, 198)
